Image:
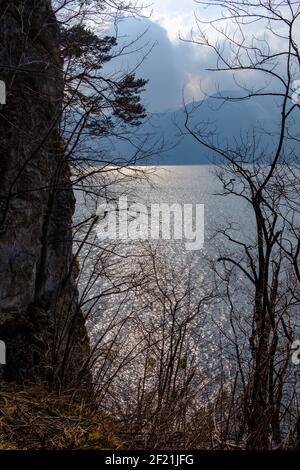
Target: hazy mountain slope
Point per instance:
(225, 122)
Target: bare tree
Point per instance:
(257, 45)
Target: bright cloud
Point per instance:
(176, 16)
(175, 67)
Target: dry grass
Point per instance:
(32, 418)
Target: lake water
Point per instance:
(112, 266)
(183, 186)
(134, 291)
(198, 184)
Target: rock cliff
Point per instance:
(40, 322)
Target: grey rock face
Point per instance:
(39, 319)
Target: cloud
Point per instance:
(174, 68)
(171, 68)
(175, 17)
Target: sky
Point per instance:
(176, 70)
(174, 16)
(185, 61)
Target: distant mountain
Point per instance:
(225, 122)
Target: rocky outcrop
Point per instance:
(40, 322)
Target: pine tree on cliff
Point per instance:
(40, 321)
